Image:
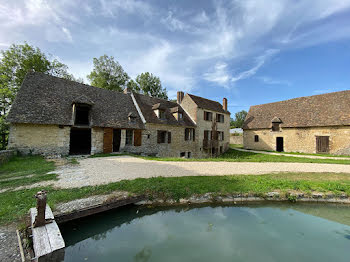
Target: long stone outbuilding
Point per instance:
(314, 124)
(54, 116)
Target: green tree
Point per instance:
(108, 74)
(15, 62)
(239, 119)
(133, 86)
(149, 84)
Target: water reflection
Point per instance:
(306, 232)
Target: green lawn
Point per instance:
(26, 170)
(15, 204)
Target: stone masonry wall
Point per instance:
(96, 140)
(301, 140)
(236, 140)
(150, 146)
(203, 125)
(39, 139)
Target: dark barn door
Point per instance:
(322, 144)
(80, 141)
(116, 139)
(279, 144)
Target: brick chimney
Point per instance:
(224, 104)
(180, 96)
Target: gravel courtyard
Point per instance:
(97, 171)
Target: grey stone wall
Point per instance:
(5, 155)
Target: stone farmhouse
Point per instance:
(54, 116)
(314, 124)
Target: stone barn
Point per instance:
(54, 116)
(315, 124)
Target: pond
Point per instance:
(278, 232)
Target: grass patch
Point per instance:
(15, 204)
(24, 166)
(232, 155)
(26, 180)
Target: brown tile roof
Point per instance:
(45, 99)
(332, 109)
(208, 104)
(147, 105)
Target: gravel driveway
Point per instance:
(96, 171)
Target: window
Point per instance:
(161, 135)
(82, 115)
(182, 154)
(221, 149)
(208, 116)
(220, 118)
(189, 134)
(276, 127)
(128, 139)
(256, 138)
(161, 114)
(189, 155)
(207, 135)
(220, 136)
(169, 137)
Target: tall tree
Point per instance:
(108, 74)
(239, 119)
(15, 62)
(149, 84)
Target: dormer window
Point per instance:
(276, 122)
(82, 115)
(180, 115)
(131, 117)
(161, 114)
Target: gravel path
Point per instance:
(282, 154)
(104, 170)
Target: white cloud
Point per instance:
(259, 62)
(114, 7)
(220, 74)
(174, 24)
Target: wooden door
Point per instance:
(322, 144)
(137, 137)
(107, 140)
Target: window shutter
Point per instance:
(159, 137)
(205, 115)
(194, 134)
(169, 137)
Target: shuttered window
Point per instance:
(322, 144)
(208, 116)
(220, 118)
(128, 140)
(161, 135)
(189, 134)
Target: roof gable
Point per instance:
(207, 104)
(332, 109)
(148, 104)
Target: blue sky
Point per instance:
(250, 51)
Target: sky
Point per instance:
(250, 51)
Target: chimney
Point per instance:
(127, 90)
(180, 96)
(224, 104)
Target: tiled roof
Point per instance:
(45, 99)
(332, 109)
(148, 104)
(207, 104)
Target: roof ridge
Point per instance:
(204, 98)
(302, 97)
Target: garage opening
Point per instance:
(80, 141)
(322, 144)
(116, 140)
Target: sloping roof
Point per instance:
(208, 104)
(45, 99)
(332, 109)
(146, 103)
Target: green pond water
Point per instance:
(279, 232)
